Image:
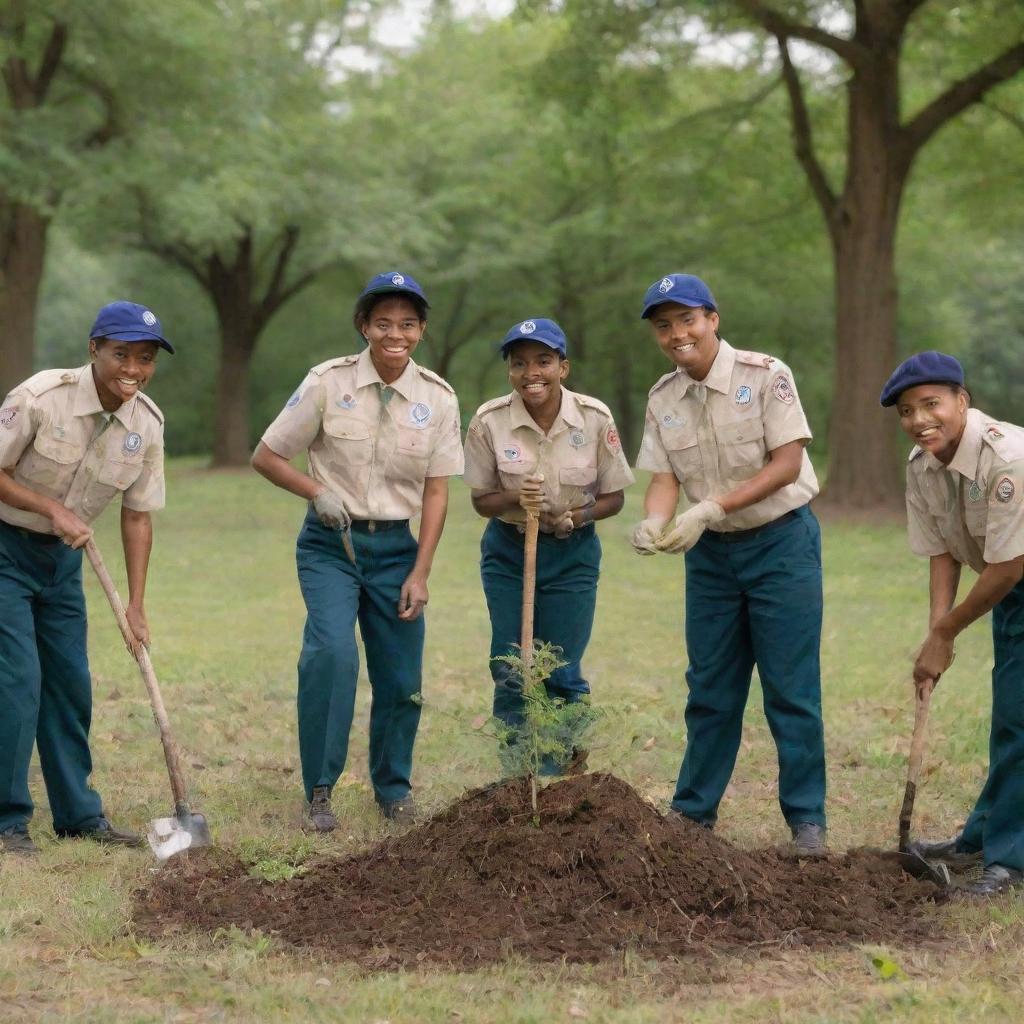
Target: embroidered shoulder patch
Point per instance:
(783, 390)
(1005, 490)
(8, 416)
(612, 440)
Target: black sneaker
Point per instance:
(16, 842)
(949, 851)
(319, 815)
(809, 839)
(994, 880)
(401, 812)
(102, 832)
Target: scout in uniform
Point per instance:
(545, 448)
(965, 505)
(70, 440)
(382, 435)
(727, 426)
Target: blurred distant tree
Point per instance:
(73, 76)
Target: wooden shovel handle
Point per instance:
(148, 676)
(923, 699)
(529, 587)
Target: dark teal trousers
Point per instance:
(996, 825)
(566, 596)
(337, 595)
(754, 599)
(45, 687)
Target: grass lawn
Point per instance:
(226, 615)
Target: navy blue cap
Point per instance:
(923, 368)
(685, 289)
(394, 282)
(547, 332)
(128, 321)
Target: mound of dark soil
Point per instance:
(603, 872)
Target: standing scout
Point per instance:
(383, 437)
(728, 427)
(546, 449)
(70, 440)
(965, 505)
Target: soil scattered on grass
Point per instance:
(604, 872)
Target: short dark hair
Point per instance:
(368, 303)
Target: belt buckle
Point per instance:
(371, 526)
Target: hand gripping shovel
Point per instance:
(167, 836)
(910, 859)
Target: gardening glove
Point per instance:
(690, 525)
(562, 525)
(646, 534)
(330, 510)
(531, 496)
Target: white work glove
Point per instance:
(330, 510)
(532, 497)
(645, 535)
(690, 525)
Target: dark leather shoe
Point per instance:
(17, 842)
(809, 839)
(320, 815)
(674, 817)
(994, 880)
(401, 812)
(949, 851)
(102, 832)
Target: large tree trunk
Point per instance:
(22, 257)
(231, 442)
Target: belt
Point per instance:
(738, 536)
(32, 535)
(516, 531)
(375, 525)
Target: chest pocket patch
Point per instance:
(57, 450)
(118, 473)
(741, 447)
(348, 443)
(681, 445)
(416, 443)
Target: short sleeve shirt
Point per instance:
(973, 508)
(580, 457)
(57, 440)
(373, 443)
(716, 433)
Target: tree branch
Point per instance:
(779, 24)
(959, 96)
(52, 56)
(803, 139)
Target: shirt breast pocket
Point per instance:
(416, 444)
(512, 474)
(55, 449)
(52, 462)
(348, 443)
(118, 474)
(681, 447)
(577, 476)
(741, 447)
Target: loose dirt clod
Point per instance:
(604, 872)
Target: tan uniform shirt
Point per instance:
(716, 433)
(56, 440)
(580, 457)
(974, 507)
(373, 443)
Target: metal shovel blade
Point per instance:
(168, 836)
(933, 871)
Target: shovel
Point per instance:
(910, 860)
(186, 829)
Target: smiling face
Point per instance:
(121, 369)
(536, 372)
(934, 417)
(392, 329)
(687, 335)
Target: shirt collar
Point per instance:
(366, 374)
(569, 414)
(719, 377)
(968, 451)
(87, 399)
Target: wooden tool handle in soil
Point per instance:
(922, 702)
(148, 675)
(529, 587)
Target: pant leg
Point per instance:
(782, 575)
(20, 680)
(501, 572)
(329, 662)
(718, 677)
(65, 709)
(394, 661)
(997, 822)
